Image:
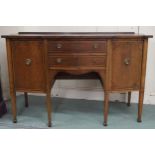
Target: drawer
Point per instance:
(76, 46)
(75, 61)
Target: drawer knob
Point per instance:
(59, 46)
(28, 62)
(95, 46)
(59, 60)
(126, 61)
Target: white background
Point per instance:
(77, 13)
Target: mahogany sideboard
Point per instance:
(36, 59)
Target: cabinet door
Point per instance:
(28, 64)
(126, 64)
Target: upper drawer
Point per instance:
(76, 46)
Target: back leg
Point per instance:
(26, 99)
(129, 99)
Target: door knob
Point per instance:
(28, 62)
(59, 46)
(126, 61)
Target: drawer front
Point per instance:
(126, 64)
(76, 46)
(75, 61)
(28, 62)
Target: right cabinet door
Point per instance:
(126, 64)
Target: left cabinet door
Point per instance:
(28, 65)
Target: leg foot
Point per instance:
(15, 121)
(26, 106)
(49, 124)
(105, 124)
(139, 120)
(128, 104)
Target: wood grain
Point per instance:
(37, 59)
(142, 80)
(32, 75)
(126, 64)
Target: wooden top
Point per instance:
(79, 35)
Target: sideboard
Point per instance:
(37, 59)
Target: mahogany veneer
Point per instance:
(36, 59)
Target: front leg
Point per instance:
(49, 107)
(106, 97)
(106, 108)
(50, 83)
(140, 106)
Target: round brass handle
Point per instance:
(59, 60)
(126, 61)
(95, 46)
(59, 45)
(28, 62)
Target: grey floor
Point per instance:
(77, 114)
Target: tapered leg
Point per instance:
(106, 108)
(26, 99)
(140, 106)
(14, 110)
(49, 108)
(50, 83)
(129, 99)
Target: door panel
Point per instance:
(126, 64)
(28, 65)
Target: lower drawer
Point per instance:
(75, 61)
